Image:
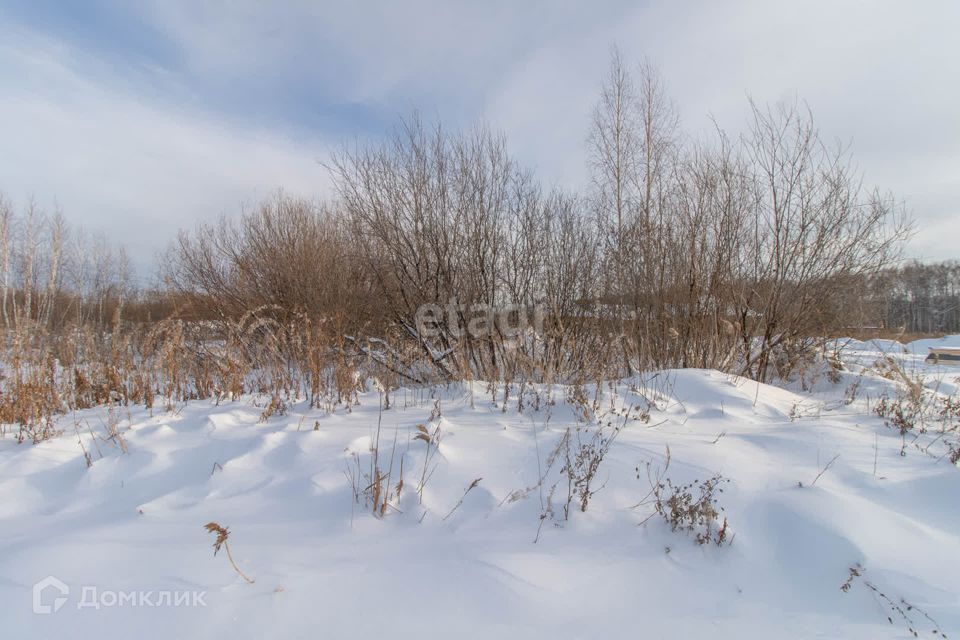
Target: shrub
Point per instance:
(583, 460)
(691, 507)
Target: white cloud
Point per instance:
(138, 171)
(117, 153)
(878, 75)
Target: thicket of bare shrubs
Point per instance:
(734, 254)
(728, 254)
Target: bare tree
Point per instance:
(814, 227)
(614, 151)
(6, 223)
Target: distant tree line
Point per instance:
(918, 297)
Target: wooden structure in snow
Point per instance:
(948, 355)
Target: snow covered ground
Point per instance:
(817, 486)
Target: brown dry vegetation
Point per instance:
(726, 253)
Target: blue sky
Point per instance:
(126, 43)
(139, 118)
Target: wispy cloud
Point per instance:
(141, 118)
(138, 169)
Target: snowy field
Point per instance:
(817, 486)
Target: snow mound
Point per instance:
(816, 488)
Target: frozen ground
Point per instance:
(324, 567)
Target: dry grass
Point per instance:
(691, 507)
(898, 609)
(168, 363)
(223, 534)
